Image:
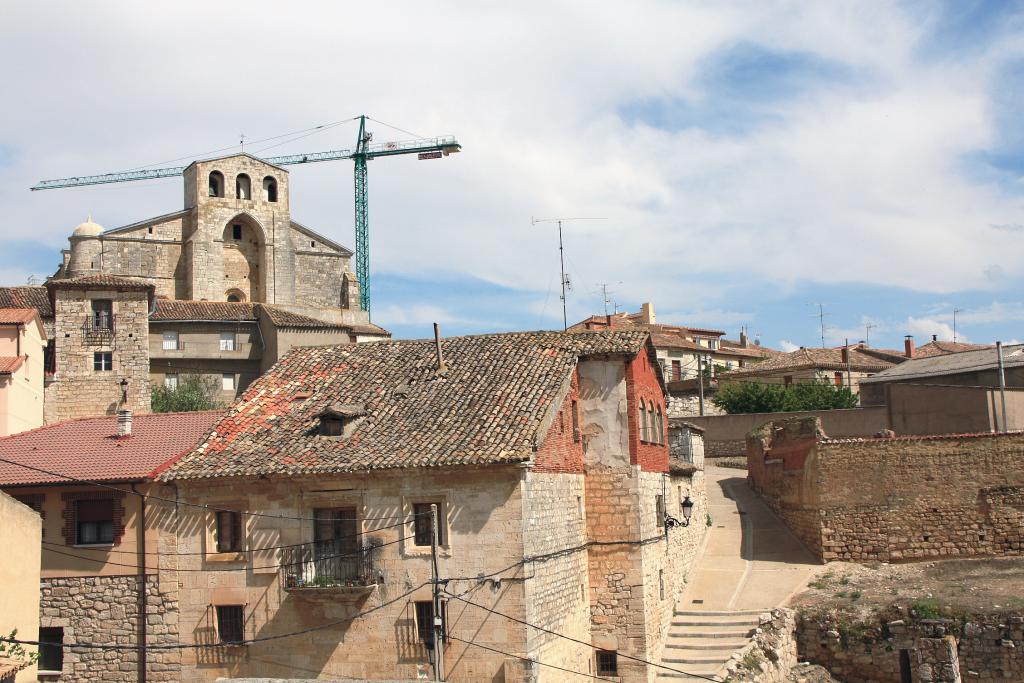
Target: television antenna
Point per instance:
(566, 284)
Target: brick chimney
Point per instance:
(647, 313)
(908, 346)
(846, 354)
(124, 424)
(743, 338)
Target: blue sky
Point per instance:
(751, 160)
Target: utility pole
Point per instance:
(438, 622)
(561, 257)
(1002, 383)
(955, 311)
(700, 381)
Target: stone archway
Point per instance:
(243, 258)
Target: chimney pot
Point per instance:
(935, 337)
(441, 367)
(846, 354)
(743, 339)
(908, 346)
(124, 424)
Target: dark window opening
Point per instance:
(607, 663)
(312, 244)
(787, 380)
(677, 370)
(231, 623)
(659, 510)
(216, 184)
(229, 531)
(425, 622)
(243, 187)
(51, 655)
(103, 361)
(94, 521)
(270, 189)
(905, 673)
(233, 298)
(575, 421)
(839, 379)
(331, 425)
(236, 232)
(102, 314)
(150, 230)
(424, 534)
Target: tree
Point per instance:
(194, 392)
(754, 397)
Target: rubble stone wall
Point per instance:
(770, 654)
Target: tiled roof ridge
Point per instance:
(101, 279)
(135, 416)
(919, 437)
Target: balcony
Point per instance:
(204, 349)
(98, 330)
(329, 569)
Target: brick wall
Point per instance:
(562, 448)
(642, 385)
(893, 499)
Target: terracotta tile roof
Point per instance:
(29, 296)
(862, 359)
(979, 360)
(100, 281)
(9, 364)
(486, 408)
(282, 317)
(87, 448)
(171, 310)
(17, 316)
(942, 348)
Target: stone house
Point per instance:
(100, 542)
(545, 455)
(191, 289)
(22, 359)
(20, 533)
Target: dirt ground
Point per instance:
(736, 462)
(810, 673)
(933, 588)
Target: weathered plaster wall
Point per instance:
(20, 529)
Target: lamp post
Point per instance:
(687, 506)
(124, 390)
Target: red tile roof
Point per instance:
(862, 359)
(87, 448)
(174, 310)
(100, 281)
(17, 316)
(9, 364)
(29, 296)
(943, 348)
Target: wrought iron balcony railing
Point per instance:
(328, 564)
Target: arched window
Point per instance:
(216, 184)
(235, 295)
(651, 436)
(243, 187)
(661, 427)
(641, 421)
(270, 189)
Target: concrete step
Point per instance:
(670, 676)
(689, 643)
(706, 632)
(716, 622)
(710, 660)
(735, 613)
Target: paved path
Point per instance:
(751, 560)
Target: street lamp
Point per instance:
(687, 506)
(124, 390)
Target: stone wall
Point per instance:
(984, 649)
(318, 277)
(688, 405)
(893, 499)
(105, 610)
(770, 654)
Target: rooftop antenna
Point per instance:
(820, 315)
(241, 142)
(868, 326)
(604, 296)
(561, 255)
(955, 311)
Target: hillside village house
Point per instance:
(99, 583)
(22, 358)
(221, 288)
(545, 455)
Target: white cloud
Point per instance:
(925, 327)
(787, 345)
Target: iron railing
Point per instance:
(328, 564)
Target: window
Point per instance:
(227, 341)
(839, 379)
(660, 424)
(102, 314)
(677, 370)
(270, 189)
(661, 583)
(641, 419)
(659, 510)
(170, 340)
(233, 298)
(787, 380)
(243, 187)
(231, 623)
(607, 663)
(150, 229)
(227, 381)
(336, 541)
(575, 421)
(170, 381)
(51, 655)
(216, 184)
(425, 622)
(421, 523)
(712, 344)
(229, 531)
(94, 522)
(103, 361)
(236, 232)
(312, 244)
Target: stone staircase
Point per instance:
(702, 642)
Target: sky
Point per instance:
(749, 160)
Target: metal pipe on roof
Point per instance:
(437, 347)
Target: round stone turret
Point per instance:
(85, 249)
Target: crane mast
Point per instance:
(425, 148)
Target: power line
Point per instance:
(401, 130)
(575, 640)
(204, 646)
(527, 659)
(145, 496)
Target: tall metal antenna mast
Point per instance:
(604, 296)
(820, 315)
(867, 332)
(955, 311)
(561, 255)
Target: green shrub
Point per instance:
(194, 392)
(754, 397)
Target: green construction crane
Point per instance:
(366, 149)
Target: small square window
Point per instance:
(170, 342)
(227, 341)
(231, 623)
(236, 232)
(103, 361)
(607, 663)
(227, 381)
(170, 381)
(102, 314)
(424, 533)
(425, 622)
(51, 655)
(229, 531)
(94, 521)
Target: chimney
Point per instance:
(846, 354)
(743, 337)
(441, 367)
(124, 424)
(935, 337)
(647, 313)
(908, 346)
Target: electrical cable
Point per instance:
(145, 496)
(532, 661)
(401, 130)
(205, 646)
(575, 640)
(216, 570)
(300, 137)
